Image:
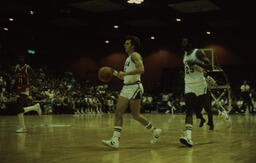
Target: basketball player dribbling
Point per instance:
(195, 85)
(131, 93)
(22, 82)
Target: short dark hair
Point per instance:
(134, 41)
(189, 43)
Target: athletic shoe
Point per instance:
(111, 143)
(211, 126)
(186, 141)
(156, 135)
(21, 130)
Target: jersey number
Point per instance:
(188, 69)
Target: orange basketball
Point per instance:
(105, 74)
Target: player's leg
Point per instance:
(122, 105)
(135, 106)
(191, 102)
(205, 101)
(199, 115)
(21, 102)
(35, 107)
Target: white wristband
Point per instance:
(115, 73)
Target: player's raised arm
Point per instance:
(202, 60)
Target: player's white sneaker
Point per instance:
(156, 135)
(186, 141)
(111, 143)
(21, 130)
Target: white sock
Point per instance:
(117, 133)
(189, 131)
(21, 120)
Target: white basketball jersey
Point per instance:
(130, 66)
(194, 78)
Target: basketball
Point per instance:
(105, 74)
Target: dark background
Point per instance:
(69, 35)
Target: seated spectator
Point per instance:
(110, 105)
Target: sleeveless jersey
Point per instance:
(194, 78)
(130, 66)
(22, 79)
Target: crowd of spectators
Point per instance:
(59, 93)
(62, 93)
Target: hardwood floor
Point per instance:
(77, 138)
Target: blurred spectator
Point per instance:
(147, 103)
(245, 92)
(110, 104)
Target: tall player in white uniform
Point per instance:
(195, 86)
(131, 93)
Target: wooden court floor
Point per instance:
(77, 138)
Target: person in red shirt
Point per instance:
(22, 83)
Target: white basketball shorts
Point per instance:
(132, 91)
